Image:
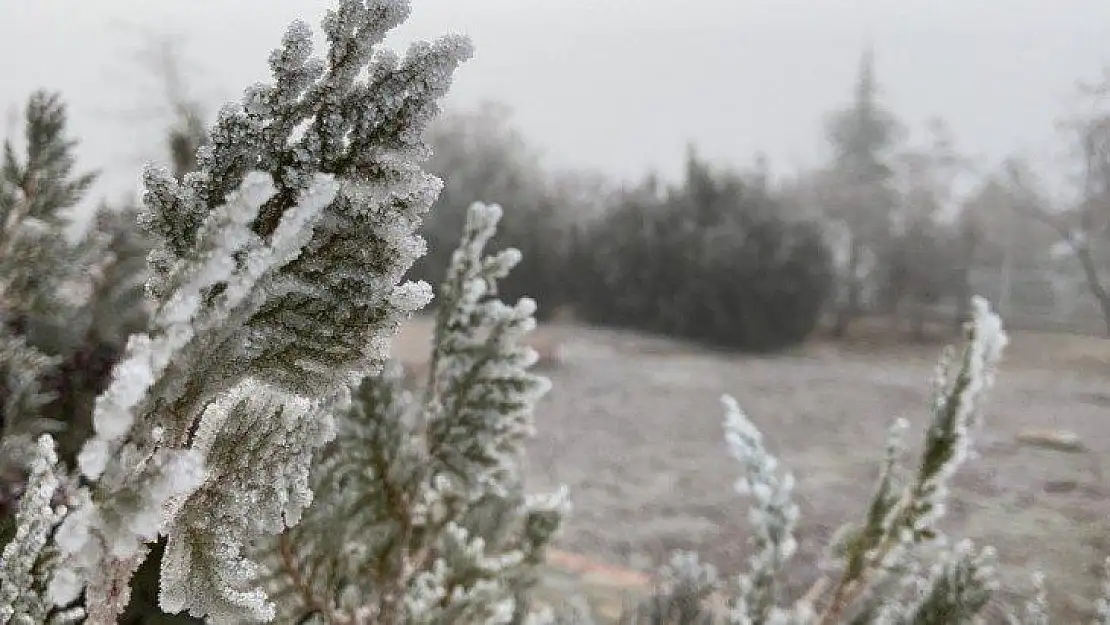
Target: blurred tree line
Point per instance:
(734, 258)
(713, 258)
(905, 230)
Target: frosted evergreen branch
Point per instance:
(137, 454)
(22, 372)
(685, 584)
(772, 515)
(38, 185)
(35, 518)
(955, 590)
(854, 543)
(317, 118)
(1035, 610)
(1102, 604)
(479, 400)
(43, 180)
(258, 445)
(419, 515)
(281, 283)
(910, 519)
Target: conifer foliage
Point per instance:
(66, 306)
(38, 186)
(258, 425)
(893, 566)
(275, 282)
(37, 190)
(419, 515)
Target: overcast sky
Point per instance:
(615, 85)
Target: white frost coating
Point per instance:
(153, 487)
(411, 296)
(147, 357)
(979, 365)
(237, 340)
(35, 517)
(773, 514)
(87, 537)
(259, 493)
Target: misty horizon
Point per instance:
(607, 87)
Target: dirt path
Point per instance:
(633, 427)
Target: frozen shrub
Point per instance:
(893, 565)
(419, 515)
(713, 260)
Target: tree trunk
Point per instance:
(1094, 283)
(849, 310)
(970, 240)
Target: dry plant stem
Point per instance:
(845, 594)
(390, 606)
(310, 599)
(848, 590)
(814, 592)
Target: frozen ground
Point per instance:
(633, 427)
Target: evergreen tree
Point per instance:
(38, 188)
(712, 260)
(861, 137)
(68, 307)
(40, 273)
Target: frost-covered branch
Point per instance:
(955, 589)
(772, 515)
(902, 516)
(38, 188)
(882, 578)
(420, 515)
(23, 370)
(275, 283)
(35, 518)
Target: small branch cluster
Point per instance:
(35, 518)
(419, 514)
(885, 571)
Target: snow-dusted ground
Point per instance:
(634, 427)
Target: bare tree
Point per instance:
(1084, 226)
(928, 254)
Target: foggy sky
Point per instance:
(615, 85)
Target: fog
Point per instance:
(648, 204)
(617, 86)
